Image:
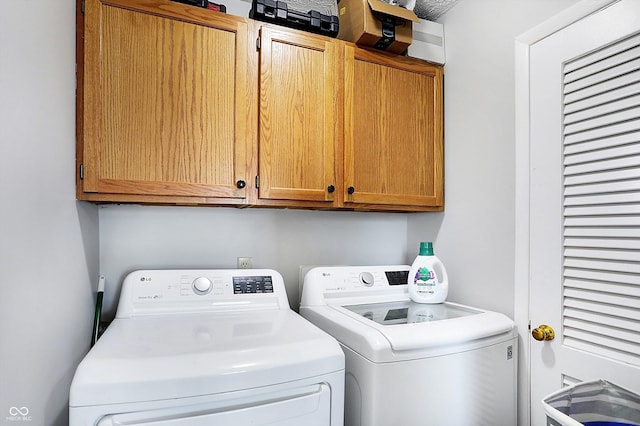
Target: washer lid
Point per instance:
(152, 358)
(409, 326)
(408, 312)
(404, 330)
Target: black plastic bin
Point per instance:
(278, 12)
(594, 403)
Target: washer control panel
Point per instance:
(158, 291)
(323, 282)
(343, 278)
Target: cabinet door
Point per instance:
(393, 131)
(164, 102)
(298, 94)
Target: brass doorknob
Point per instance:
(543, 332)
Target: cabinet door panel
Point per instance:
(161, 106)
(297, 113)
(393, 130)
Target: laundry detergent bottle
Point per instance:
(428, 281)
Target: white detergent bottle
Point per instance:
(428, 281)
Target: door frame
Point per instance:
(523, 44)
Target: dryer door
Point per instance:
(310, 406)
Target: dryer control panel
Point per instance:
(148, 292)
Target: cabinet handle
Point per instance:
(241, 184)
(351, 190)
(331, 188)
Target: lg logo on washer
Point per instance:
(18, 414)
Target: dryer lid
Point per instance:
(151, 358)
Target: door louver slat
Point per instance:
(601, 99)
(601, 153)
(603, 143)
(600, 55)
(601, 226)
(603, 165)
(589, 264)
(607, 320)
(597, 308)
(610, 176)
(602, 188)
(603, 298)
(603, 276)
(595, 122)
(600, 112)
(602, 232)
(602, 221)
(623, 68)
(612, 333)
(603, 210)
(601, 199)
(605, 87)
(606, 342)
(589, 253)
(601, 132)
(615, 288)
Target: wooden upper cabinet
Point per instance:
(392, 132)
(183, 105)
(165, 109)
(297, 129)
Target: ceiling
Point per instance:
(432, 9)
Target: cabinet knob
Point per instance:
(241, 184)
(331, 188)
(351, 190)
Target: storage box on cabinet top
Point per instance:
(377, 24)
(428, 42)
(278, 12)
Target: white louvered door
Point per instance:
(585, 202)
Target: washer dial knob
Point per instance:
(202, 285)
(366, 278)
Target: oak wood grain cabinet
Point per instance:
(393, 137)
(345, 127)
(164, 104)
(298, 110)
(182, 105)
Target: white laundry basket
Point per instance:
(594, 403)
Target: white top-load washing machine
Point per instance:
(413, 364)
(204, 347)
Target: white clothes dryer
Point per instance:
(203, 347)
(413, 364)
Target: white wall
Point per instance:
(136, 237)
(48, 241)
(475, 236)
(45, 316)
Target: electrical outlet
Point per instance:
(244, 263)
